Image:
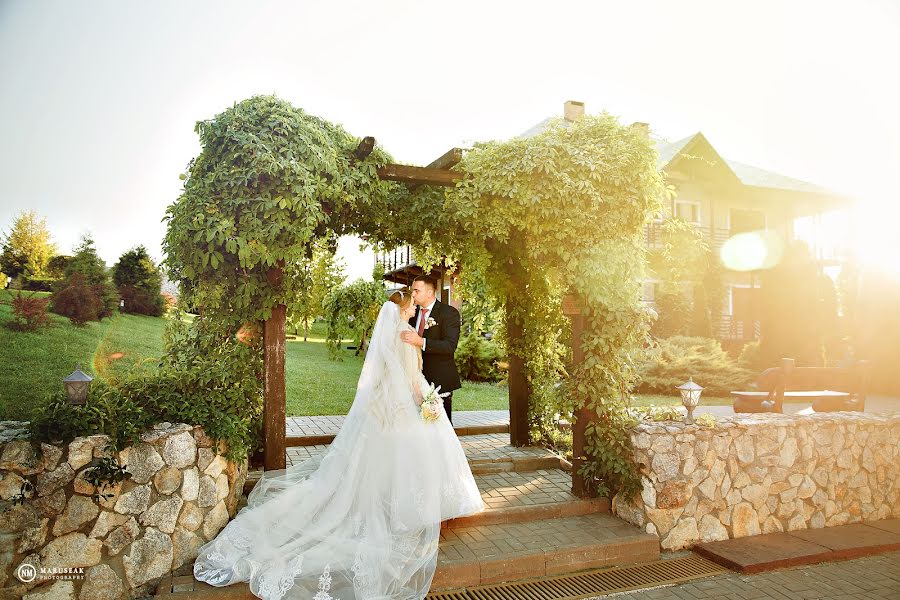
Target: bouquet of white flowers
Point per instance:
(433, 404)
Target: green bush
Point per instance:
(36, 283)
(476, 358)
(30, 313)
(751, 357)
(105, 411)
(76, 300)
(673, 360)
(206, 378)
(139, 282)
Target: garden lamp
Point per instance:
(77, 385)
(690, 397)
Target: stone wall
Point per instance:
(180, 493)
(763, 473)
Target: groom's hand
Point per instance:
(411, 338)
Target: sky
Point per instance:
(98, 100)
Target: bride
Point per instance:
(363, 519)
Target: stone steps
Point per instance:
(485, 554)
(533, 526)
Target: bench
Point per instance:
(828, 389)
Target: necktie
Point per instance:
(422, 322)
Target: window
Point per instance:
(688, 210)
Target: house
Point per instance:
(722, 198)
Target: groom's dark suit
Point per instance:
(438, 365)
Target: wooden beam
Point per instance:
(421, 175)
(366, 145)
(274, 397)
(447, 160)
(517, 383)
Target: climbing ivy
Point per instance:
(269, 179)
(562, 212)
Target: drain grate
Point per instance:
(592, 583)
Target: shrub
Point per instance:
(141, 302)
(206, 378)
(3, 280)
(169, 301)
(476, 358)
(751, 357)
(675, 359)
(30, 312)
(77, 301)
(139, 282)
(36, 283)
(105, 411)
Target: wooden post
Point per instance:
(518, 385)
(572, 308)
(274, 398)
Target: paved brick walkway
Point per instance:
(330, 424)
(486, 447)
(502, 490)
(872, 577)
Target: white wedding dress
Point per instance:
(363, 519)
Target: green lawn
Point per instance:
(36, 363)
(319, 386)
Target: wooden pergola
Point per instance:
(438, 172)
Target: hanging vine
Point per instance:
(560, 212)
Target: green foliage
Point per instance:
(269, 179)
(477, 358)
(206, 378)
(96, 276)
(751, 357)
(350, 312)
(103, 472)
(76, 300)
(106, 411)
(139, 282)
(539, 217)
(673, 360)
(798, 310)
(57, 266)
(30, 312)
(706, 420)
(316, 278)
(4, 280)
(689, 296)
(27, 248)
(657, 413)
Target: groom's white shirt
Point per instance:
(419, 320)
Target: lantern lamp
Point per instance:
(77, 385)
(690, 397)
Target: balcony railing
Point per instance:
(731, 328)
(396, 259)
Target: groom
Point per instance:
(437, 325)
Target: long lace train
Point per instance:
(363, 519)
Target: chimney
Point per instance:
(642, 127)
(573, 110)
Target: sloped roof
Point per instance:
(747, 174)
